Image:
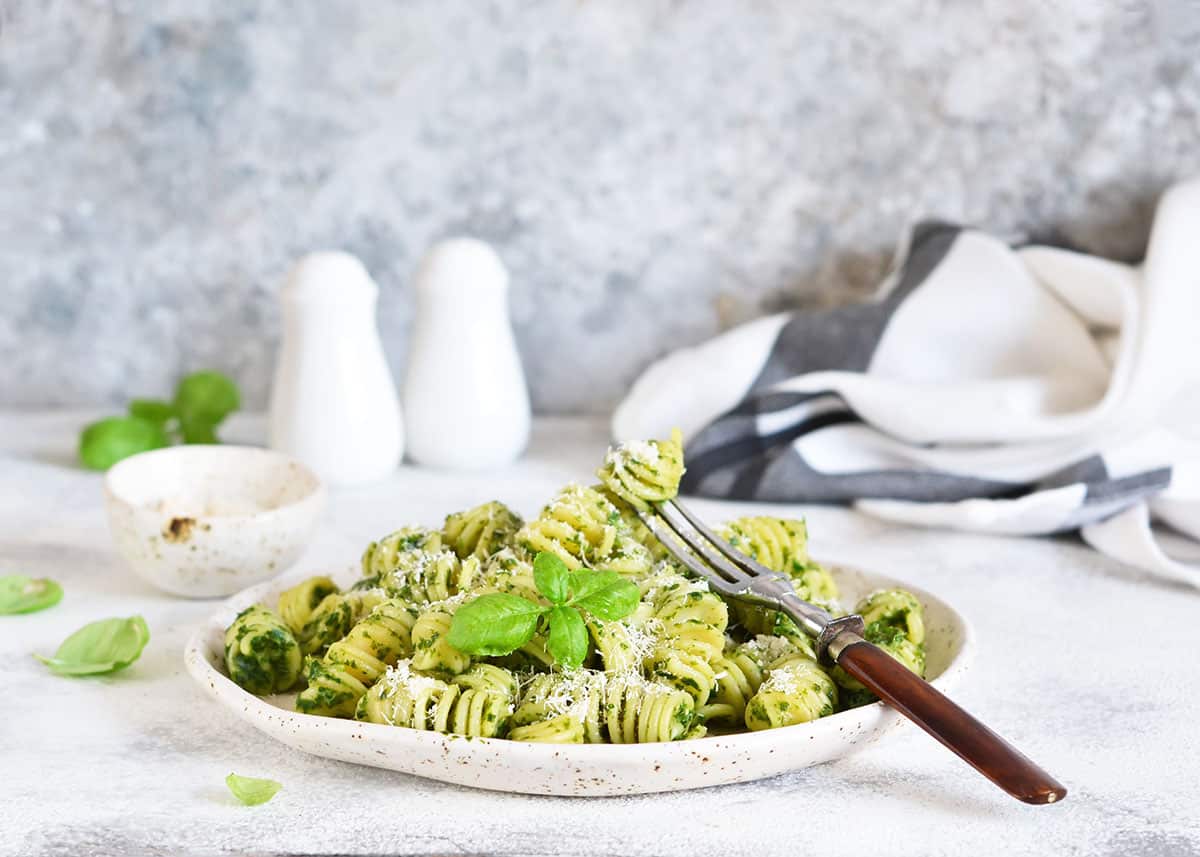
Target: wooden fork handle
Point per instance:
(923, 704)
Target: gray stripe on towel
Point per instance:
(845, 338)
(782, 475)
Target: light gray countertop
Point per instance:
(1089, 666)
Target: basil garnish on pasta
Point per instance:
(495, 625)
(568, 637)
(551, 576)
(604, 594)
(500, 623)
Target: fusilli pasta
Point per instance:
(579, 526)
(354, 663)
(795, 691)
(673, 669)
(404, 697)
(895, 608)
(261, 653)
(296, 605)
(481, 531)
(423, 576)
(432, 652)
(617, 708)
(334, 617)
(644, 472)
(381, 557)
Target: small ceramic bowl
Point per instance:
(208, 521)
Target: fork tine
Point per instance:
(670, 540)
(676, 544)
(701, 544)
(729, 571)
(746, 564)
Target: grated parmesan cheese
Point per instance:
(767, 649)
(641, 451)
(643, 638)
(402, 678)
(571, 693)
(450, 603)
(665, 580)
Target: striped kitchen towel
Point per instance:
(1021, 390)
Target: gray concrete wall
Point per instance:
(651, 172)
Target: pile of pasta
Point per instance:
(684, 664)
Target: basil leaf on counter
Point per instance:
(21, 594)
(106, 442)
(194, 432)
(100, 647)
(202, 400)
(251, 790)
(152, 411)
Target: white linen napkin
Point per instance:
(1009, 390)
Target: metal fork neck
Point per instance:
(776, 591)
(811, 619)
(818, 624)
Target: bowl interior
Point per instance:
(211, 481)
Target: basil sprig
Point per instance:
(251, 790)
(100, 647)
(106, 442)
(202, 401)
(21, 594)
(500, 623)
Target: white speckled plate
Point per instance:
(575, 769)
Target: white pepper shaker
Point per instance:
(334, 403)
(465, 400)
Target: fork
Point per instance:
(840, 640)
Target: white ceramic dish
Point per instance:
(205, 521)
(575, 769)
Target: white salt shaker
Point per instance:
(465, 399)
(333, 403)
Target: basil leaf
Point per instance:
(204, 399)
(106, 442)
(551, 576)
(21, 594)
(198, 432)
(494, 625)
(152, 411)
(606, 595)
(568, 638)
(100, 647)
(579, 582)
(251, 790)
